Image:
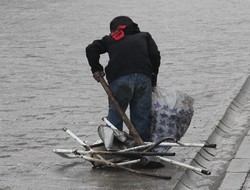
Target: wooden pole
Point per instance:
(114, 165)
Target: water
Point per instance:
(46, 82)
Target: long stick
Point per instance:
(124, 117)
(114, 165)
(204, 171)
(176, 143)
(70, 153)
(81, 142)
(77, 139)
(149, 144)
(188, 144)
(82, 152)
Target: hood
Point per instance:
(124, 20)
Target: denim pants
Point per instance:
(133, 90)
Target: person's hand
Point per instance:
(153, 80)
(154, 88)
(97, 75)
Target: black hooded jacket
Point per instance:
(136, 52)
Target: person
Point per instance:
(131, 72)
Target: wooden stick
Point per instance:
(114, 165)
(82, 152)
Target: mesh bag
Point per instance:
(172, 113)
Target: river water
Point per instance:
(46, 83)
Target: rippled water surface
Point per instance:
(46, 83)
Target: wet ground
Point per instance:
(46, 84)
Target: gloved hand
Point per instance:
(153, 80)
(97, 75)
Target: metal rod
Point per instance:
(109, 123)
(204, 171)
(76, 138)
(87, 147)
(129, 162)
(181, 144)
(149, 144)
(82, 152)
(127, 153)
(135, 148)
(65, 154)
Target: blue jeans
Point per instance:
(134, 90)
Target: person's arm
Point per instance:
(93, 52)
(155, 58)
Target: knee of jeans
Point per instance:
(145, 135)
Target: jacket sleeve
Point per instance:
(93, 52)
(154, 54)
(155, 58)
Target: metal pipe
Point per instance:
(82, 152)
(204, 171)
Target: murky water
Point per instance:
(46, 83)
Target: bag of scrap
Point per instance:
(172, 113)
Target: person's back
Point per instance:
(131, 72)
(129, 55)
